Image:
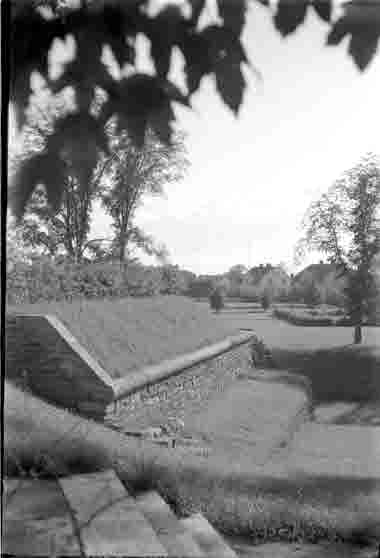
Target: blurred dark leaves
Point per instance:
(210, 44)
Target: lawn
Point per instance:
(128, 334)
(281, 335)
(339, 371)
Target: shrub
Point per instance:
(248, 293)
(46, 280)
(200, 288)
(312, 296)
(216, 300)
(301, 318)
(265, 301)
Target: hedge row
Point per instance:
(48, 281)
(301, 318)
(296, 318)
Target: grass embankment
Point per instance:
(128, 334)
(266, 504)
(349, 374)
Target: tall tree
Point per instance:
(140, 100)
(66, 229)
(64, 232)
(345, 225)
(137, 173)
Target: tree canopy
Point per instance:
(209, 41)
(344, 224)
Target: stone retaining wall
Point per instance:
(44, 357)
(166, 403)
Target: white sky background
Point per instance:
(252, 177)
(312, 116)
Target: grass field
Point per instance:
(127, 334)
(339, 371)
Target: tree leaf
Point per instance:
(233, 14)
(197, 7)
(165, 31)
(290, 14)
(339, 30)
(323, 8)
(78, 138)
(45, 168)
(116, 28)
(204, 51)
(362, 22)
(30, 40)
(161, 123)
(142, 101)
(197, 64)
(363, 47)
(230, 84)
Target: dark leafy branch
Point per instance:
(140, 101)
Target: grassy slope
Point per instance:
(127, 334)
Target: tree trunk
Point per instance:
(122, 252)
(358, 334)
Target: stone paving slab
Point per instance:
(209, 540)
(109, 521)
(174, 536)
(40, 537)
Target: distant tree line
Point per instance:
(270, 284)
(36, 279)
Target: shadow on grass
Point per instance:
(349, 373)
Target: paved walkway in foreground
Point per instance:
(94, 515)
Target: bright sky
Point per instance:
(251, 179)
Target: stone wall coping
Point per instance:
(143, 377)
(170, 367)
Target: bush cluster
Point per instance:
(45, 280)
(216, 300)
(320, 317)
(302, 318)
